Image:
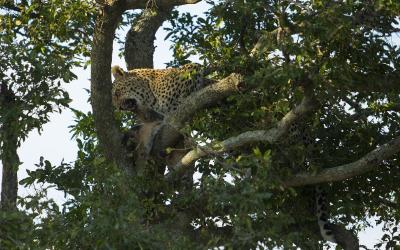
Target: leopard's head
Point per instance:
(129, 90)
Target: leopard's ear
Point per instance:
(117, 71)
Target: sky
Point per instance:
(55, 143)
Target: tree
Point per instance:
(36, 56)
(305, 93)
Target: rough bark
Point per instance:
(139, 42)
(8, 151)
(110, 137)
(9, 184)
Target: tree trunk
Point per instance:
(110, 137)
(8, 153)
(9, 184)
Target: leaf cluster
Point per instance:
(345, 50)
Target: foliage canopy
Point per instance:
(348, 52)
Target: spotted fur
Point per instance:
(322, 215)
(161, 90)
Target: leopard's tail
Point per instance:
(322, 215)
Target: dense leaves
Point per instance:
(37, 56)
(350, 54)
(40, 42)
(350, 51)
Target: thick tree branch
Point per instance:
(139, 42)
(365, 164)
(204, 98)
(109, 135)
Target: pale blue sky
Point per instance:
(55, 143)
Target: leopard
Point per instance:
(157, 90)
(154, 94)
